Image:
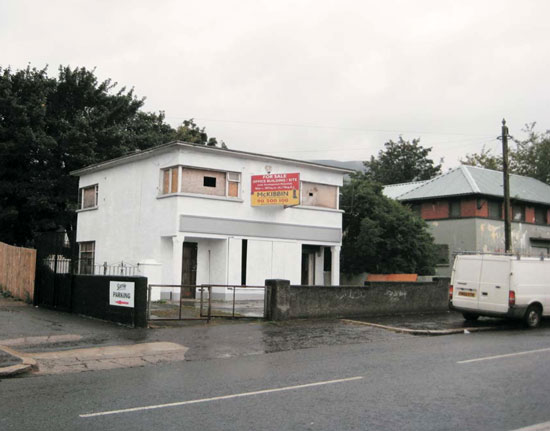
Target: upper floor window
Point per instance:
(417, 209)
(233, 184)
(494, 209)
(170, 180)
(319, 195)
(454, 209)
(518, 213)
(87, 196)
(541, 215)
(200, 181)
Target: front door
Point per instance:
(308, 265)
(189, 269)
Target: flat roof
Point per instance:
(143, 154)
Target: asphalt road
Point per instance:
(396, 383)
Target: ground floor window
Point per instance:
(86, 257)
(540, 246)
(442, 251)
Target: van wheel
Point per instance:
(533, 316)
(470, 316)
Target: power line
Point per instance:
(317, 126)
(461, 142)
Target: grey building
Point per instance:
(464, 210)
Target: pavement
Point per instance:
(40, 341)
(445, 323)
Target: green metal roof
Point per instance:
(471, 180)
(393, 191)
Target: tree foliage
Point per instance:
(190, 132)
(50, 126)
(530, 157)
(380, 234)
(401, 162)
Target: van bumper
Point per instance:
(514, 312)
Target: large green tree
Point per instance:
(530, 156)
(400, 162)
(50, 126)
(380, 235)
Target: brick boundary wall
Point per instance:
(17, 271)
(285, 302)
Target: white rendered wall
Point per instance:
(134, 223)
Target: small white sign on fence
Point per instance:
(121, 293)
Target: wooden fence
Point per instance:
(17, 269)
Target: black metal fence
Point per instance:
(64, 265)
(57, 259)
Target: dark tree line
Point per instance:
(52, 125)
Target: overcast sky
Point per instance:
(308, 79)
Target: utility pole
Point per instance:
(507, 211)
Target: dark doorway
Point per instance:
(244, 254)
(189, 269)
(308, 264)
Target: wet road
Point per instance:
(390, 382)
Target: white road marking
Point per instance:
(223, 397)
(508, 355)
(545, 426)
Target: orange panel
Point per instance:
(166, 181)
(392, 277)
(233, 189)
(174, 188)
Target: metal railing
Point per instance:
(204, 302)
(65, 265)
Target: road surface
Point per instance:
(496, 380)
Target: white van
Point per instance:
(501, 286)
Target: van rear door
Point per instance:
(494, 284)
(465, 279)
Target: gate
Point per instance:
(54, 257)
(205, 301)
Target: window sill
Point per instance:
(87, 209)
(308, 207)
(200, 196)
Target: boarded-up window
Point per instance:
(88, 197)
(170, 181)
(233, 181)
(203, 181)
(174, 181)
(319, 195)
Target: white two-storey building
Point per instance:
(182, 214)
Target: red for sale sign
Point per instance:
(275, 189)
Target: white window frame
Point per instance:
(91, 263)
(228, 180)
(81, 197)
(178, 187)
